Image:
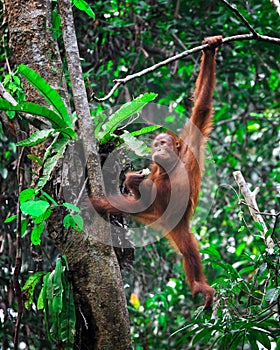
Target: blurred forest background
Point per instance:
(126, 37)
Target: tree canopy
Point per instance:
(117, 39)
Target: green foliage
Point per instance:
(35, 208)
(59, 309)
(50, 95)
(84, 6)
(39, 206)
(53, 153)
(137, 146)
(37, 137)
(245, 312)
(56, 299)
(60, 120)
(126, 38)
(29, 288)
(125, 112)
(152, 320)
(75, 221)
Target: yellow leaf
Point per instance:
(134, 300)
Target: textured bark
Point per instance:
(100, 301)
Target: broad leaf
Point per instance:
(28, 107)
(36, 234)
(137, 146)
(262, 337)
(71, 207)
(84, 6)
(50, 94)
(145, 130)
(51, 162)
(42, 296)
(75, 221)
(34, 208)
(43, 217)
(26, 194)
(126, 111)
(37, 137)
(29, 287)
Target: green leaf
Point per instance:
(51, 162)
(137, 146)
(50, 94)
(56, 298)
(252, 340)
(259, 226)
(33, 280)
(24, 224)
(145, 130)
(237, 340)
(262, 337)
(126, 111)
(29, 287)
(50, 313)
(10, 219)
(28, 107)
(84, 6)
(268, 232)
(26, 194)
(36, 234)
(35, 159)
(247, 270)
(212, 251)
(41, 302)
(251, 127)
(57, 146)
(33, 108)
(57, 302)
(68, 314)
(43, 217)
(37, 137)
(240, 248)
(34, 208)
(71, 207)
(75, 221)
(203, 335)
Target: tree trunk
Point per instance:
(102, 317)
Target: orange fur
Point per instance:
(180, 179)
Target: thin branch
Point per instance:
(181, 55)
(179, 41)
(176, 13)
(265, 213)
(16, 284)
(243, 19)
(275, 226)
(115, 87)
(250, 198)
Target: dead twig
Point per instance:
(250, 200)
